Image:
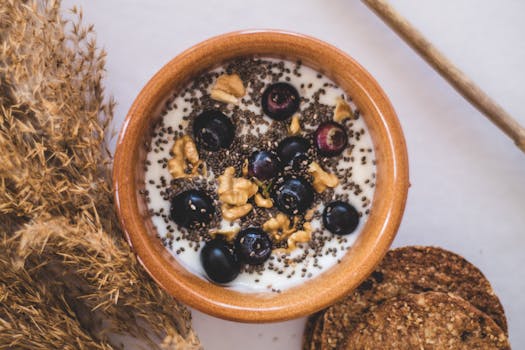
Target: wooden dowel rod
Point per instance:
(449, 71)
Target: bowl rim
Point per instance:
(209, 299)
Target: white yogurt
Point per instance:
(332, 250)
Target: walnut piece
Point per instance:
(219, 95)
(301, 236)
(185, 161)
(226, 180)
(233, 197)
(279, 226)
(262, 202)
(295, 126)
(234, 193)
(322, 179)
(245, 185)
(308, 216)
(228, 89)
(342, 110)
(190, 150)
(234, 212)
(244, 169)
(228, 233)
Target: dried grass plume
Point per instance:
(68, 280)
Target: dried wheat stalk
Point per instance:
(67, 278)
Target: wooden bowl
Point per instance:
(373, 241)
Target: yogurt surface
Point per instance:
(355, 169)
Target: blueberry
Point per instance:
(340, 218)
(219, 261)
(280, 101)
(330, 139)
(253, 246)
(263, 165)
(213, 130)
(293, 196)
(192, 208)
(293, 150)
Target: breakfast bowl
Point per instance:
(177, 252)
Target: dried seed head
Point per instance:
(73, 268)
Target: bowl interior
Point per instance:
(375, 237)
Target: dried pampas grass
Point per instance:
(67, 277)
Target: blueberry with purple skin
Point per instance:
(263, 165)
(192, 208)
(330, 139)
(293, 150)
(219, 261)
(253, 246)
(340, 218)
(213, 130)
(293, 196)
(280, 101)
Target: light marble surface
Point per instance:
(468, 180)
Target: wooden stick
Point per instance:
(449, 71)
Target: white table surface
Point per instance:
(468, 179)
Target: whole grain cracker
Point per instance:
(412, 270)
(430, 320)
(317, 334)
(312, 331)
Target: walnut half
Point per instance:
(185, 154)
(322, 179)
(229, 234)
(342, 110)
(234, 212)
(279, 226)
(300, 236)
(228, 89)
(234, 193)
(262, 202)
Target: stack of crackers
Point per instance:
(418, 298)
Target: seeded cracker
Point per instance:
(312, 331)
(412, 270)
(430, 320)
(317, 334)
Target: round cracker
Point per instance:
(430, 320)
(412, 270)
(312, 331)
(315, 344)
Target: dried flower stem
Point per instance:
(67, 277)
